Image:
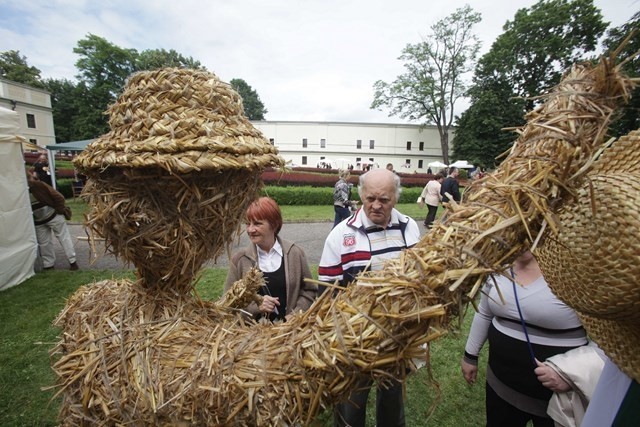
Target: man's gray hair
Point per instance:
(396, 183)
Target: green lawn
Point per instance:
(289, 213)
(27, 311)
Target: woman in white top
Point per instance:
(431, 196)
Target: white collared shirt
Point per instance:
(270, 261)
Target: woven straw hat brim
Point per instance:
(593, 262)
(180, 120)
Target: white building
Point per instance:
(34, 111)
(408, 147)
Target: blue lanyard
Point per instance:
(524, 326)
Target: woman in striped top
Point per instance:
(530, 326)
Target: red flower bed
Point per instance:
(327, 178)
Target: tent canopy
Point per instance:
(69, 146)
(462, 164)
(437, 164)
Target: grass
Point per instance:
(27, 312)
(289, 213)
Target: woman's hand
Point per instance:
(549, 378)
(269, 304)
(469, 371)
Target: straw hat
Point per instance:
(593, 262)
(170, 182)
(181, 120)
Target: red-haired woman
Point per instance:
(283, 264)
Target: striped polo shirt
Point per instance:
(357, 244)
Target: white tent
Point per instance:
(437, 164)
(18, 244)
(462, 164)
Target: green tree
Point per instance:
(103, 69)
(433, 80)
(524, 61)
(479, 136)
(540, 43)
(629, 116)
(152, 59)
(254, 109)
(65, 97)
(14, 67)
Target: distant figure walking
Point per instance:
(342, 197)
(431, 197)
(49, 213)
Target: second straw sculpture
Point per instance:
(128, 357)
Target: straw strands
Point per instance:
(131, 355)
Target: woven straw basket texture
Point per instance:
(593, 262)
(142, 353)
(180, 120)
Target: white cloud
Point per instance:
(312, 60)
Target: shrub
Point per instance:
(315, 196)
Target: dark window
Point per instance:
(31, 121)
(409, 145)
(304, 142)
(408, 163)
(323, 143)
(359, 144)
(271, 140)
(304, 159)
(33, 141)
(419, 164)
(421, 147)
(372, 144)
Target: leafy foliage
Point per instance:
(433, 80)
(540, 43)
(14, 67)
(152, 59)
(523, 62)
(254, 109)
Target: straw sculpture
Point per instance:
(149, 353)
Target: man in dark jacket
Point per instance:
(450, 186)
(49, 212)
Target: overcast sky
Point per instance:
(313, 60)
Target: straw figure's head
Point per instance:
(170, 182)
(593, 262)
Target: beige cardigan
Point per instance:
(300, 294)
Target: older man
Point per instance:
(375, 233)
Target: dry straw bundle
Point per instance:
(164, 358)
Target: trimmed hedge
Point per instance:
(314, 196)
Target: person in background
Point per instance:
(451, 186)
(283, 264)
(429, 171)
(49, 213)
(530, 326)
(342, 202)
(390, 167)
(431, 197)
(376, 233)
(41, 169)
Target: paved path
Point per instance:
(310, 236)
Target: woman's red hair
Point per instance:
(266, 209)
